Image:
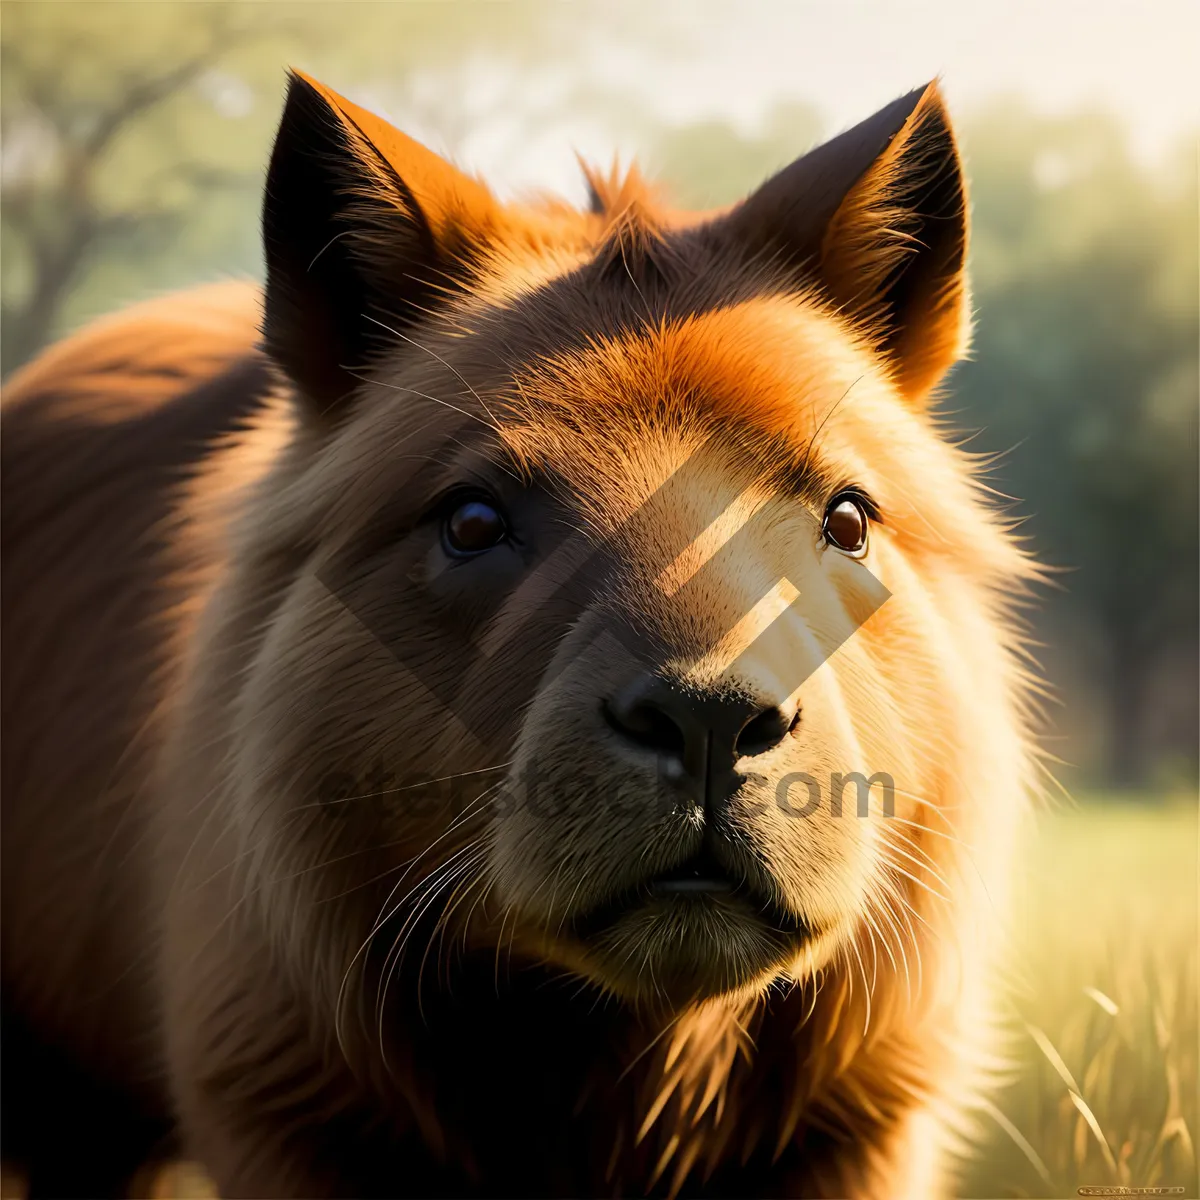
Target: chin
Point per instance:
(686, 948)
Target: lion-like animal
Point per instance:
(529, 703)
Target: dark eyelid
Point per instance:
(852, 490)
(460, 491)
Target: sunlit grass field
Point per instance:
(1103, 1007)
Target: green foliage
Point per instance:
(1085, 371)
(136, 135)
(711, 163)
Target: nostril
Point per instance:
(764, 732)
(646, 725)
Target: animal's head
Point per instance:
(638, 524)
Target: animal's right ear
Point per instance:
(877, 220)
(361, 225)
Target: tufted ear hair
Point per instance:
(877, 219)
(361, 224)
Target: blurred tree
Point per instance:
(1085, 368)
(135, 136)
(711, 163)
(60, 128)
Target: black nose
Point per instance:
(700, 729)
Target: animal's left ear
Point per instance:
(877, 217)
(365, 232)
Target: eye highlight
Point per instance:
(472, 527)
(847, 523)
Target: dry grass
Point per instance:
(1104, 1008)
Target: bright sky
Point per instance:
(1139, 57)
(688, 59)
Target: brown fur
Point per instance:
(211, 552)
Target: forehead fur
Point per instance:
(626, 232)
(642, 324)
(638, 324)
(760, 377)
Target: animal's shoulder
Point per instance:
(110, 417)
(140, 357)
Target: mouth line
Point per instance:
(698, 885)
(699, 874)
(694, 881)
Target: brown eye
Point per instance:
(473, 527)
(846, 524)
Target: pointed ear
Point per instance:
(359, 222)
(877, 218)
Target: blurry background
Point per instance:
(133, 144)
